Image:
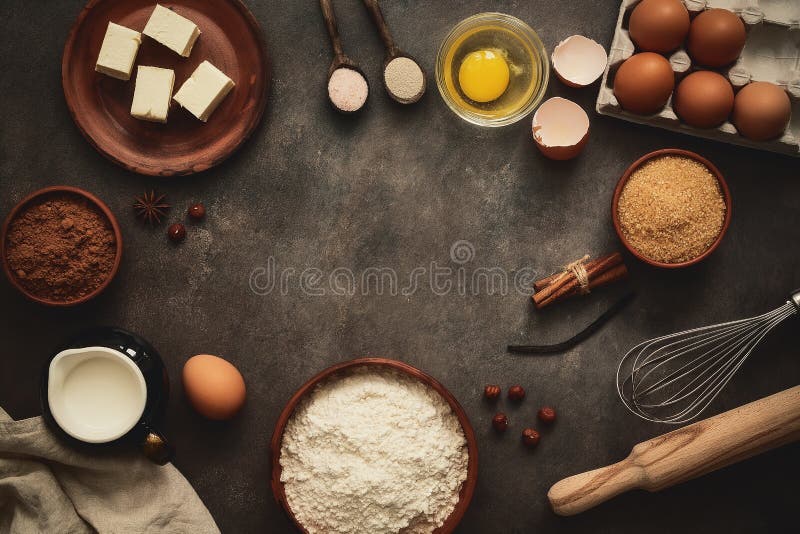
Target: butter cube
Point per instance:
(172, 30)
(118, 51)
(204, 90)
(151, 97)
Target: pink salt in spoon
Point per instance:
(347, 85)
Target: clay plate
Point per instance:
(723, 186)
(467, 489)
(100, 105)
(56, 189)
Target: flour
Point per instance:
(373, 452)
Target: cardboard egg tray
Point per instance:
(771, 54)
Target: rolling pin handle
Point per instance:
(687, 453)
(580, 492)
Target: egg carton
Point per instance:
(771, 54)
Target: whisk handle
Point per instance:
(795, 298)
(686, 453)
(578, 493)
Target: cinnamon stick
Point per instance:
(616, 273)
(568, 283)
(538, 285)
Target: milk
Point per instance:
(95, 394)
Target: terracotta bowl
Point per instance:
(54, 190)
(100, 105)
(723, 186)
(467, 489)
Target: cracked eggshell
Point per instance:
(579, 61)
(560, 128)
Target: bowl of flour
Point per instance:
(374, 446)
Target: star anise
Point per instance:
(150, 208)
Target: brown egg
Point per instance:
(761, 111)
(659, 25)
(703, 99)
(214, 386)
(643, 83)
(716, 37)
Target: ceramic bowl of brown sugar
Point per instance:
(671, 208)
(60, 246)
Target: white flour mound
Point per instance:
(373, 452)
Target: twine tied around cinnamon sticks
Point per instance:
(579, 278)
(578, 270)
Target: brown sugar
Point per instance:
(671, 209)
(61, 247)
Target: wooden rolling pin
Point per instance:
(686, 453)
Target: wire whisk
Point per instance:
(674, 378)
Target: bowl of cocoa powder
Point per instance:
(671, 208)
(60, 246)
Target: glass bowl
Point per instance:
(528, 61)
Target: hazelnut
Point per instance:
(516, 393)
(491, 392)
(500, 422)
(547, 415)
(197, 211)
(176, 232)
(530, 437)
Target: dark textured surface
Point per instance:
(395, 188)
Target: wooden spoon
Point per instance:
(340, 59)
(392, 52)
(686, 453)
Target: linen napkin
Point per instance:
(47, 487)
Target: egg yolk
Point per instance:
(483, 75)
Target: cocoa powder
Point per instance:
(60, 247)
